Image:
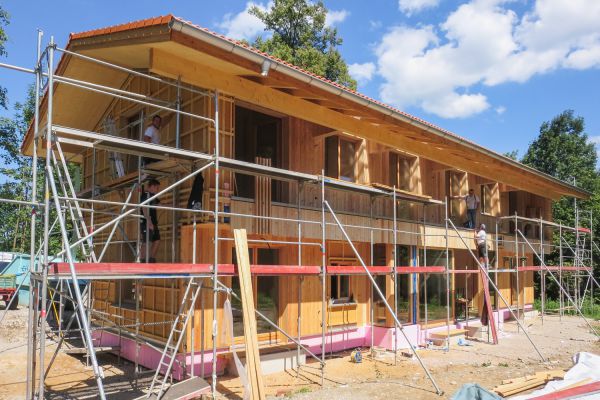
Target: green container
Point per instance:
(8, 281)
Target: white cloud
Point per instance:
(243, 25)
(362, 72)
(375, 24)
(444, 69)
(410, 7)
(500, 110)
(335, 17)
(594, 139)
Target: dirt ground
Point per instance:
(481, 363)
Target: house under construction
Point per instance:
(354, 210)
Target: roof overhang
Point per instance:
(175, 48)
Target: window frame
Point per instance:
(337, 154)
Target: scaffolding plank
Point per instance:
(189, 389)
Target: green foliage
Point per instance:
(300, 37)
(16, 183)
(589, 309)
(4, 20)
(562, 150)
(514, 154)
(15, 173)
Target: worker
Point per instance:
(149, 223)
(152, 134)
(482, 253)
(472, 201)
(481, 244)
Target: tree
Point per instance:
(15, 172)
(514, 154)
(3, 22)
(562, 150)
(300, 37)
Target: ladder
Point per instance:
(109, 127)
(167, 358)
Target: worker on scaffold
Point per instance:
(482, 253)
(149, 223)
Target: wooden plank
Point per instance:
(253, 367)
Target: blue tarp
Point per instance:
(472, 391)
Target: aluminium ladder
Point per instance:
(169, 354)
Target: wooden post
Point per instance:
(253, 368)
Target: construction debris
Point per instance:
(510, 387)
(582, 379)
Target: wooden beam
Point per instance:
(253, 368)
(193, 72)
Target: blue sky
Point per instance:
(489, 70)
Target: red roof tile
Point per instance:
(165, 19)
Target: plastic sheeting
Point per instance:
(587, 366)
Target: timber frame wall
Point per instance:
(304, 153)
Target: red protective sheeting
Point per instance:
(131, 268)
(552, 268)
(420, 270)
(357, 270)
(127, 269)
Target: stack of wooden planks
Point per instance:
(513, 386)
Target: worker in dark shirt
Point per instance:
(149, 223)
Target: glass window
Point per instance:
(487, 193)
(331, 156)
(432, 287)
(340, 288)
(347, 160)
(266, 292)
(401, 171)
(380, 309)
(340, 158)
(403, 297)
(236, 308)
(267, 301)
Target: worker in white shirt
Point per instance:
(481, 243)
(152, 135)
(472, 201)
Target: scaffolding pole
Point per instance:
(33, 266)
(483, 270)
(215, 276)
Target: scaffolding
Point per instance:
(73, 209)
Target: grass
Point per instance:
(588, 309)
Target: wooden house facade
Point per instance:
(291, 120)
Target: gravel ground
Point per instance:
(481, 363)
